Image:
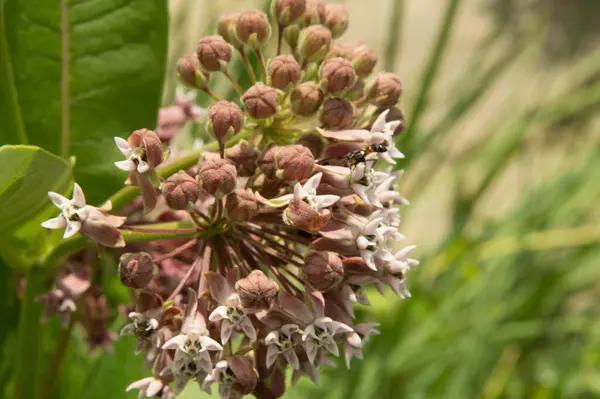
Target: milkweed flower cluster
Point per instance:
(269, 240)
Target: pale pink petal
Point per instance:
(139, 384)
(346, 135)
(143, 167)
(55, 223)
(248, 328)
(272, 338)
(332, 348)
(299, 192)
(379, 123)
(72, 228)
(219, 313)
(325, 201)
(272, 353)
(311, 351)
(126, 165)
(58, 199)
(226, 331)
(154, 388)
(210, 344)
(387, 157)
(292, 359)
(312, 184)
(177, 342)
(123, 146)
(78, 196)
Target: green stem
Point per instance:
(430, 73)
(393, 36)
(261, 63)
(11, 100)
(59, 355)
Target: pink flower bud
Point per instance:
(188, 68)
(149, 142)
(385, 91)
(261, 101)
(337, 75)
(356, 92)
(226, 27)
(253, 28)
(286, 12)
(314, 43)
(213, 53)
(244, 372)
(364, 59)
(179, 190)
(217, 177)
(301, 215)
(244, 157)
(306, 98)
(323, 270)
(135, 269)
(337, 113)
(313, 142)
(314, 13)
(336, 19)
(283, 71)
(256, 291)
(290, 163)
(224, 119)
(242, 205)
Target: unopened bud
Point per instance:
(226, 27)
(314, 43)
(286, 12)
(214, 53)
(313, 142)
(261, 101)
(323, 270)
(242, 205)
(217, 177)
(256, 291)
(301, 215)
(283, 71)
(385, 90)
(253, 29)
(136, 269)
(336, 19)
(244, 372)
(147, 141)
(337, 75)
(188, 69)
(179, 190)
(306, 98)
(314, 13)
(337, 113)
(364, 59)
(356, 92)
(224, 119)
(290, 163)
(244, 157)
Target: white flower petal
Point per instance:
(139, 384)
(248, 328)
(127, 165)
(311, 351)
(58, 199)
(154, 388)
(219, 313)
(72, 228)
(299, 192)
(226, 331)
(123, 146)
(272, 338)
(272, 353)
(78, 196)
(312, 184)
(143, 166)
(332, 347)
(210, 344)
(58, 222)
(176, 342)
(292, 359)
(324, 201)
(379, 123)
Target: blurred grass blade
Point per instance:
(394, 34)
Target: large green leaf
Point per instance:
(85, 71)
(28, 173)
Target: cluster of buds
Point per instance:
(264, 245)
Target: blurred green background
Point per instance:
(502, 98)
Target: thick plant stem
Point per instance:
(430, 73)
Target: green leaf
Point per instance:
(86, 71)
(28, 173)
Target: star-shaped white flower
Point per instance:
(372, 242)
(231, 315)
(149, 387)
(307, 193)
(321, 334)
(224, 376)
(194, 347)
(69, 208)
(281, 343)
(134, 156)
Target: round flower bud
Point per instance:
(336, 19)
(306, 98)
(244, 157)
(323, 270)
(313, 142)
(135, 269)
(394, 114)
(286, 12)
(224, 119)
(253, 28)
(214, 53)
(303, 216)
(337, 113)
(385, 91)
(283, 71)
(217, 177)
(290, 163)
(314, 43)
(149, 142)
(179, 190)
(290, 35)
(314, 13)
(242, 205)
(226, 27)
(188, 69)
(245, 375)
(261, 101)
(256, 291)
(337, 75)
(364, 60)
(356, 92)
